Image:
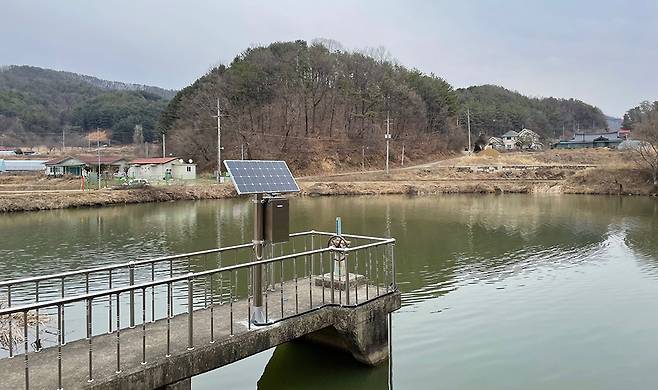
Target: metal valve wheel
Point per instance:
(339, 242)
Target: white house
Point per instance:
(509, 139)
(7, 151)
(162, 168)
(495, 143)
(528, 139)
(22, 165)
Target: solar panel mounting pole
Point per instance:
(258, 316)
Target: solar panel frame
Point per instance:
(248, 176)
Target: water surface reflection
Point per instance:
(499, 292)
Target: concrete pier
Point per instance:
(360, 329)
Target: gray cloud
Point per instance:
(602, 52)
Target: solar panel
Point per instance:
(260, 177)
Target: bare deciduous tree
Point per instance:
(646, 151)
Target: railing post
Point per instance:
(131, 270)
(347, 280)
(333, 269)
(212, 309)
(11, 337)
(190, 313)
(37, 341)
(143, 325)
(169, 310)
(89, 335)
(25, 345)
(118, 332)
(59, 347)
(394, 280)
(109, 302)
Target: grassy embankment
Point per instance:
(560, 172)
(570, 172)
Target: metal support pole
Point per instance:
(258, 314)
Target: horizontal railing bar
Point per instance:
(122, 265)
(135, 263)
(364, 246)
(166, 258)
(350, 236)
(119, 290)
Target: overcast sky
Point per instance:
(603, 52)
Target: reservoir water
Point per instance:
(499, 292)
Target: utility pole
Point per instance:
(388, 137)
(403, 154)
(63, 144)
(164, 148)
(363, 158)
(98, 152)
(468, 119)
(219, 144)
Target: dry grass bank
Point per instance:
(570, 172)
(32, 201)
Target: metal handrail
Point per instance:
(385, 265)
(191, 275)
(60, 275)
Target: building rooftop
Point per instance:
(104, 160)
(511, 133)
(153, 160)
(590, 137)
(58, 160)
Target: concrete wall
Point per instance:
(184, 171)
(361, 330)
(155, 172)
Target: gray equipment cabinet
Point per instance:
(277, 219)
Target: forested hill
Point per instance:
(319, 106)
(36, 104)
(314, 105)
(496, 110)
